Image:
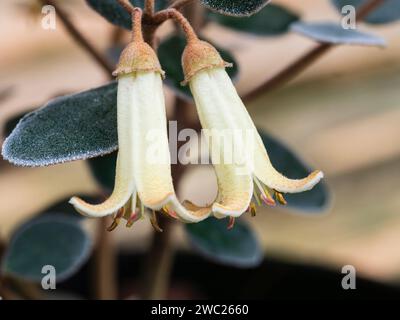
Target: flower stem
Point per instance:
(137, 34)
(149, 7)
(80, 38)
(305, 60)
(158, 263)
(127, 5)
(166, 14)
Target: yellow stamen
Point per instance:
(116, 220)
(268, 200)
(154, 222)
(252, 209)
(264, 193)
(280, 198)
(132, 219)
(257, 198)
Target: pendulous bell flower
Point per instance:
(143, 180)
(220, 108)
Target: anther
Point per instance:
(268, 200)
(231, 223)
(132, 219)
(280, 198)
(252, 209)
(154, 222)
(116, 220)
(169, 213)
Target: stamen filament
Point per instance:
(252, 209)
(116, 220)
(132, 219)
(265, 195)
(154, 222)
(231, 223)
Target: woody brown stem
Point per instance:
(305, 60)
(127, 6)
(149, 7)
(104, 263)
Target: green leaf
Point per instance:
(71, 127)
(286, 162)
(12, 122)
(272, 20)
(388, 11)
(103, 169)
(114, 13)
(237, 247)
(237, 8)
(170, 52)
(327, 32)
(56, 240)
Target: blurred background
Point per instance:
(341, 115)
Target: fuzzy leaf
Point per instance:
(237, 8)
(272, 20)
(388, 11)
(332, 33)
(237, 247)
(170, 52)
(285, 161)
(56, 240)
(114, 13)
(71, 127)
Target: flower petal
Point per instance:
(152, 164)
(151, 158)
(124, 184)
(188, 211)
(263, 168)
(234, 178)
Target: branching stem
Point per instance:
(80, 38)
(295, 68)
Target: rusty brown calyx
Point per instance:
(200, 55)
(138, 56)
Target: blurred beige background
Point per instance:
(342, 115)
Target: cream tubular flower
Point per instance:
(142, 180)
(220, 107)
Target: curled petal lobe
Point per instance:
(262, 166)
(124, 183)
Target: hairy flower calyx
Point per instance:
(138, 56)
(198, 56)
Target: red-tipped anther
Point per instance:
(132, 219)
(173, 214)
(268, 201)
(116, 220)
(231, 223)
